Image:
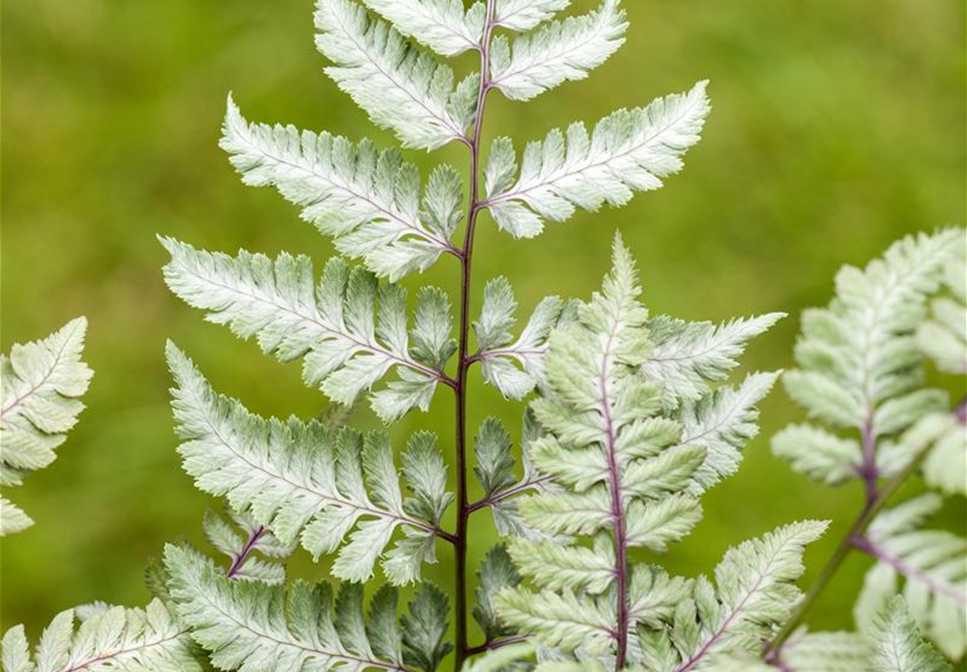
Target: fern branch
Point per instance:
(316, 479)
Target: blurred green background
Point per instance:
(838, 126)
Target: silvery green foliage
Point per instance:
(861, 370)
(243, 537)
(40, 386)
(859, 360)
(624, 478)
(306, 627)
(929, 563)
(400, 87)
(826, 652)
(347, 345)
(152, 639)
(368, 200)
(499, 353)
(628, 151)
(898, 646)
(560, 51)
(338, 492)
(944, 337)
(302, 480)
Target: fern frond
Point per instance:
(561, 51)
(821, 455)
(826, 652)
(499, 354)
(296, 477)
(723, 422)
(629, 151)
(566, 619)
(898, 646)
(858, 356)
(753, 593)
(687, 357)
(522, 15)
(496, 573)
(944, 337)
(246, 625)
(931, 563)
(110, 638)
(333, 326)
(240, 539)
(400, 87)
(40, 385)
(366, 199)
(441, 25)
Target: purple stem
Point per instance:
(463, 356)
(866, 545)
(617, 516)
(246, 551)
(496, 644)
(868, 470)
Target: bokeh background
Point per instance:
(838, 126)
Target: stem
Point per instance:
(496, 644)
(246, 551)
(463, 356)
(870, 509)
(866, 545)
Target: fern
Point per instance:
(861, 370)
(246, 626)
(242, 541)
(109, 638)
(301, 480)
(334, 327)
(625, 476)
(40, 386)
(629, 151)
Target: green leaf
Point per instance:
(561, 51)
(441, 25)
(366, 199)
(496, 573)
(629, 151)
(300, 479)
(522, 15)
(334, 327)
(944, 337)
(425, 629)
(152, 639)
(822, 456)
(495, 463)
(400, 87)
(898, 646)
(240, 539)
(302, 636)
(40, 385)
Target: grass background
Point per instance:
(838, 126)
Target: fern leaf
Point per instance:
(297, 477)
(425, 629)
(496, 573)
(367, 200)
(859, 353)
(40, 386)
(819, 454)
(561, 51)
(898, 646)
(499, 354)
(334, 327)
(619, 474)
(687, 356)
(944, 337)
(110, 638)
(240, 540)
(825, 652)
(441, 25)
(246, 626)
(400, 87)
(723, 422)
(931, 564)
(753, 593)
(629, 151)
(564, 620)
(522, 15)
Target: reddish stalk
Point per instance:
(464, 358)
